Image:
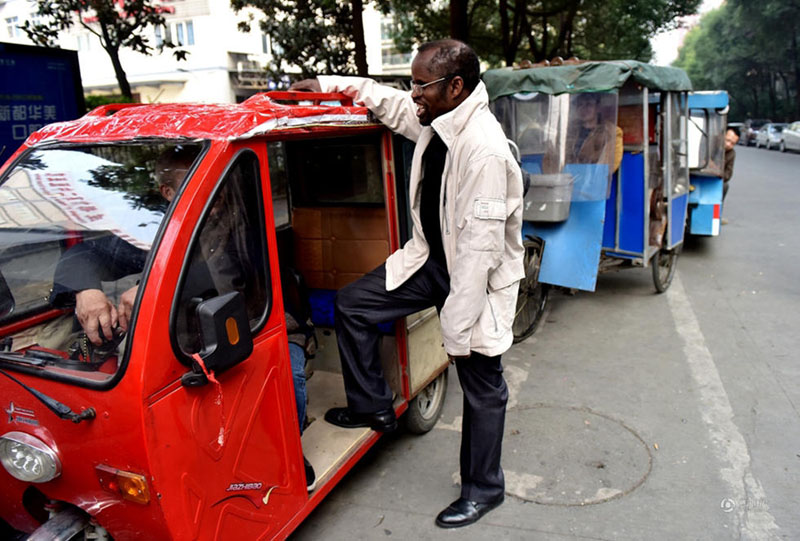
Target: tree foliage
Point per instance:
(507, 31)
(751, 50)
(314, 36)
(321, 36)
(116, 23)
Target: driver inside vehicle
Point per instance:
(83, 267)
(592, 136)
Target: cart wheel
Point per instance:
(425, 408)
(664, 264)
(532, 296)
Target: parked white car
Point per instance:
(769, 135)
(790, 139)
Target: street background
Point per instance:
(632, 415)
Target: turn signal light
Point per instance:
(232, 330)
(131, 486)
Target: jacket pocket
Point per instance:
(487, 228)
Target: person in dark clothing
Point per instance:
(464, 257)
(82, 268)
(78, 280)
(302, 346)
(731, 138)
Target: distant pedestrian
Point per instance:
(731, 138)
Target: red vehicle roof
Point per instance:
(259, 114)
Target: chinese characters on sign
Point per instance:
(38, 86)
(25, 118)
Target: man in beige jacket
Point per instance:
(464, 257)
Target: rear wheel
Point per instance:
(664, 263)
(532, 296)
(426, 408)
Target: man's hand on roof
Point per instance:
(310, 85)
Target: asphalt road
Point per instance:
(632, 415)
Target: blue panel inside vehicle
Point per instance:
(322, 300)
(631, 219)
(532, 163)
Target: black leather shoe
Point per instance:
(463, 512)
(381, 421)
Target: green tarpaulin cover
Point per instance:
(584, 77)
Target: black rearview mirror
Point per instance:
(225, 334)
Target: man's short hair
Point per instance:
(453, 57)
(734, 129)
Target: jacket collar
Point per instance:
(450, 124)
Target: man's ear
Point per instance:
(456, 86)
(167, 192)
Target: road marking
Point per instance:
(755, 522)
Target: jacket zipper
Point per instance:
(491, 309)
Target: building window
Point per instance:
(264, 43)
(393, 57)
(12, 25)
(184, 33)
(85, 42)
(163, 35)
(387, 26)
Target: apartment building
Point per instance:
(223, 64)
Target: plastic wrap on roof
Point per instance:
(257, 115)
(584, 77)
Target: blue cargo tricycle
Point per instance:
(603, 148)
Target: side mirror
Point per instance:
(225, 334)
(6, 298)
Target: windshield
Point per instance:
(76, 227)
(707, 142)
(569, 134)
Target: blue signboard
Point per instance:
(38, 86)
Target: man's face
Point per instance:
(731, 139)
(587, 110)
(436, 99)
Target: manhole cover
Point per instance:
(571, 456)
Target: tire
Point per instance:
(782, 147)
(425, 409)
(664, 263)
(532, 296)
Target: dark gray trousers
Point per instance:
(360, 306)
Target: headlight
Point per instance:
(28, 458)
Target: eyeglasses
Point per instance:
(417, 88)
